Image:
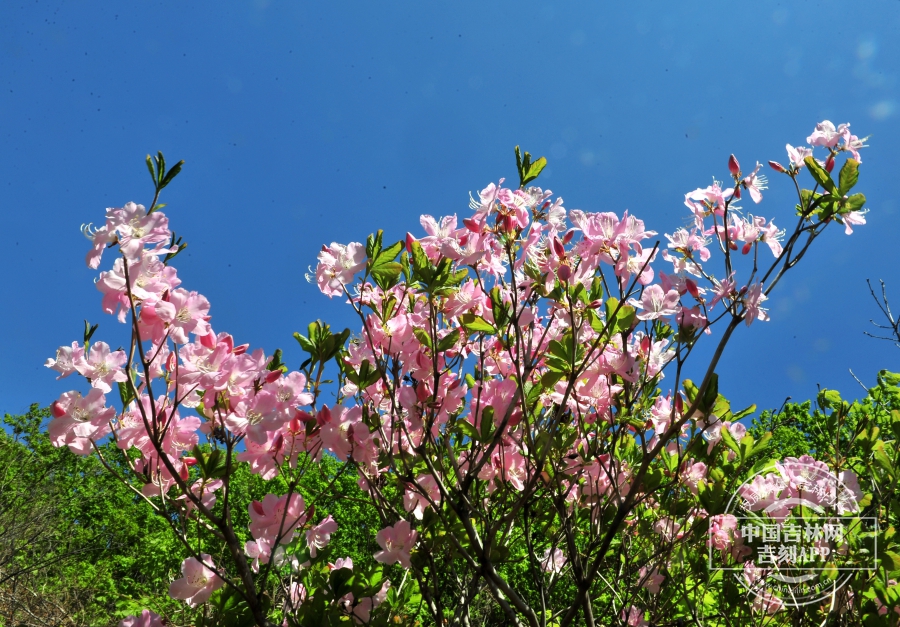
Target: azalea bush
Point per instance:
(514, 405)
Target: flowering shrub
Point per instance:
(514, 403)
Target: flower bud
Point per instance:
(240, 350)
(733, 166)
(558, 247)
(564, 273)
(409, 242)
(568, 236)
(189, 461)
(208, 340)
(746, 248)
(57, 410)
(829, 164)
(273, 376)
(472, 224)
(691, 286)
(777, 166)
(737, 192)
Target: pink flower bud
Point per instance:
(777, 166)
(558, 247)
(692, 288)
(409, 242)
(171, 362)
(208, 340)
(57, 410)
(829, 164)
(564, 273)
(189, 461)
(324, 415)
(679, 404)
(733, 166)
(568, 236)
(746, 248)
(240, 350)
(472, 224)
(737, 193)
(273, 376)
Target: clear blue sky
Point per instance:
(304, 123)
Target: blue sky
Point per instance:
(307, 123)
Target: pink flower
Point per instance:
(854, 218)
(397, 542)
(416, 498)
(146, 619)
(634, 617)
(723, 532)
(338, 264)
(185, 312)
(553, 561)
(755, 183)
(198, 583)
(254, 416)
(79, 419)
(797, 156)
(136, 228)
(275, 517)
(656, 303)
(102, 367)
(67, 360)
(319, 536)
(752, 300)
(826, 134)
(693, 473)
(651, 579)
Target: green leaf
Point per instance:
(386, 275)
(849, 175)
(622, 316)
(730, 442)
(420, 261)
(468, 429)
(125, 393)
(477, 324)
(854, 202)
(534, 170)
(890, 560)
(830, 399)
(745, 412)
(448, 341)
(527, 170)
(153, 176)
(373, 245)
(712, 392)
(820, 174)
(304, 342)
(171, 174)
(487, 423)
(423, 337)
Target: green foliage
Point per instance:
(103, 553)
